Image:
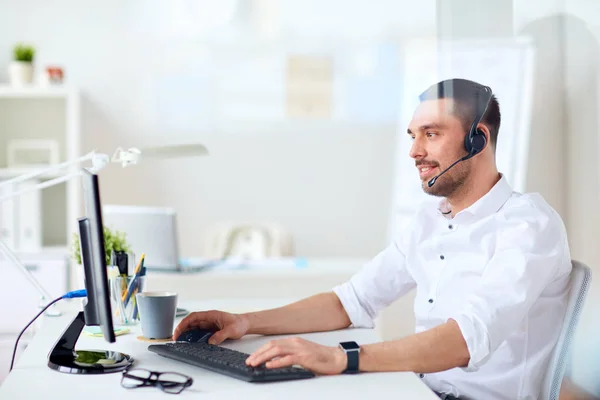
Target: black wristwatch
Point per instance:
(352, 349)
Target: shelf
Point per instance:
(35, 92)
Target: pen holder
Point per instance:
(124, 307)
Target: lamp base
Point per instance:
(52, 311)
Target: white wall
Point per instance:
(564, 162)
(548, 141)
(153, 72)
(582, 69)
(330, 189)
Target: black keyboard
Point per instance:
(226, 361)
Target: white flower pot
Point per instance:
(20, 73)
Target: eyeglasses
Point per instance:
(168, 382)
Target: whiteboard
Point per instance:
(505, 65)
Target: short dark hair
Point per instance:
(469, 100)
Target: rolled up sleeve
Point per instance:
(531, 252)
(381, 281)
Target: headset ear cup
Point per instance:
(478, 142)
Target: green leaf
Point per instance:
(24, 53)
(113, 240)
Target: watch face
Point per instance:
(350, 346)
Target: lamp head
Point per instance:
(133, 155)
(127, 157)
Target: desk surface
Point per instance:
(32, 379)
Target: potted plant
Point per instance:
(113, 240)
(21, 68)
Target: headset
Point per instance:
(475, 140)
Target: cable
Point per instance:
(71, 295)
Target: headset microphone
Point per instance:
(432, 180)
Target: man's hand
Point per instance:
(227, 326)
(320, 359)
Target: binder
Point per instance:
(29, 223)
(8, 219)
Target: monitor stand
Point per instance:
(64, 357)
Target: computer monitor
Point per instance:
(97, 310)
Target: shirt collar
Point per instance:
(486, 205)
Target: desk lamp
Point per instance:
(99, 161)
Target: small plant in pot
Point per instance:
(21, 68)
(113, 240)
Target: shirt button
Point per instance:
(442, 257)
(430, 300)
(421, 376)
(450, 226)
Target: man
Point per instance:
(490, 267)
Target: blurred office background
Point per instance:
(301, 106)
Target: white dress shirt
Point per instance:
(499, 268)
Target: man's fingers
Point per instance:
(284, 345)
(285, 361)
(275, 350)
(257, 353)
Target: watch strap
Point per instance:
(352, 367)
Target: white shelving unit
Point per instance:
(45, 113)
(37, 92)
(39, 113)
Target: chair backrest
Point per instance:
(581, 276)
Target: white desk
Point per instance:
(33, 379)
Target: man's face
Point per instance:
(438, 141)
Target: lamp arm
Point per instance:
(97, 159)
(40, 186)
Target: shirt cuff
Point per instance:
(359, 317)
(477, 339)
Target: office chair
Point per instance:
(581, 276)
